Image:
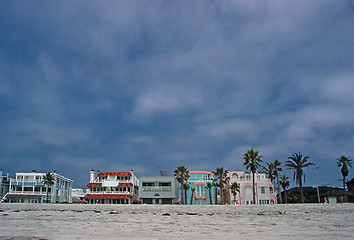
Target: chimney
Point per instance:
(92, 176)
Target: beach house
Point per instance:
(200, 191)
(158, 190)
(29, 188)
(263, 186)
(4, 185)
(112, 188)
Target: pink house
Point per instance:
(264, 188)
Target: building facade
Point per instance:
(78, 195)
(264, 188)
(112, 188)
(203, 191)
(4, 184)
(29, 188)
(158, 190)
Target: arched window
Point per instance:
(234, 177)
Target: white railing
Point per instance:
(109, 192)
(157, 188)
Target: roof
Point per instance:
(107, 196)
(114, 173)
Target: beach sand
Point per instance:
(74, 221)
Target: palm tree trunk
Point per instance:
(301, 191)
(221, 195)
(211, 201)
(216, 195)
(279, 191)
(182, 195)
(254, 188)
(345, 192)
(185, 197)
(286, 198)
(192, 198)
(47, 195)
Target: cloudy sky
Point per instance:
(149, 85)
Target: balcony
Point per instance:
(157, 189)
(27, 183)
(110, 192)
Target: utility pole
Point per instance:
(318, 192)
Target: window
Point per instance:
(165, 184)
(263, 202)
(249, 190)
(263, 190)
(234, 177)
(148, 184)
(249, 202)
(200, 190)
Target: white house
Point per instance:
(29, 188)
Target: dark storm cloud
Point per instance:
(149, 85)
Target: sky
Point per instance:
(150, 85)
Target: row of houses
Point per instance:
(127, 188)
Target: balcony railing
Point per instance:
(157, 188)
(109, 192)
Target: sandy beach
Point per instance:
(60, 221)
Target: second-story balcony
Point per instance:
(110, 192)
(157, 188)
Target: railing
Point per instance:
(157, 189)
(109, 192)
(27, 183)
(27, 192)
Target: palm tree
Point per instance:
(209, 186)
(285, 184)
(269, 169)
(48, 180)
(185, 187)
(181, 174)
(235, 188)
(344, 161)
(223, 179)
(193, 189)
(277, 169)
(252, 162)
(297, 162)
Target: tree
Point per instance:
(48, 180)
(277, 169)
(209, 186)
(223, 180)
(235, 188)
(181, 174)
(297, 162)
(252, 162)
(193, 189)
(343, 162)
(269, 169)
(186, 187)
(285, 184)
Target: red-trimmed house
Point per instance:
(112, 188)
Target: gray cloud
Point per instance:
(154, 85)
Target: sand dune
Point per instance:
(59, 221)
